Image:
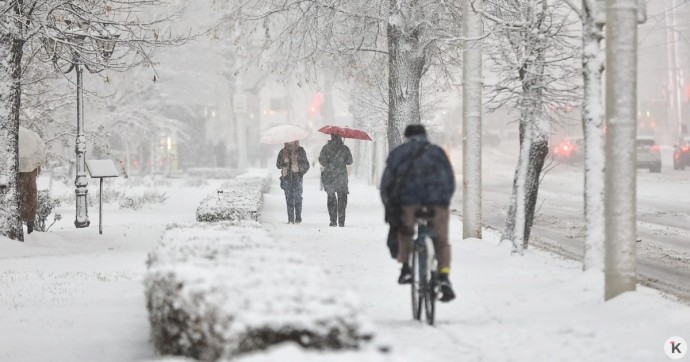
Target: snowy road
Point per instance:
(663, 216)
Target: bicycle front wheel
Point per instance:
(416, 289)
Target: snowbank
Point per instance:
(219, 291)
(237, 199)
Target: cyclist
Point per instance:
(418, 174)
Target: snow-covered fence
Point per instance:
(237, 199)
(219, 290)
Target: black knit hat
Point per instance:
(414, 130)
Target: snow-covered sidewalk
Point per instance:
(532, 308)
(73, 295)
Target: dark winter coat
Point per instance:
(334, 158)
(289, 176)
(429, 181)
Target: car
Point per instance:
(681, 153)
(570, 149)
(648, 154)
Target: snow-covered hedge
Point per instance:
(213, 172)
(219, 291)
(237, 199)
(265, 175)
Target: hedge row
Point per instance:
(213, 172)
(238, 199)
(218, 290)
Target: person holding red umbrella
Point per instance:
(334, 157)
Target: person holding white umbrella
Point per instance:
(32, 154)
(293, 164)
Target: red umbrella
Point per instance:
(346, 132)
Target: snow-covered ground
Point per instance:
(73, 295)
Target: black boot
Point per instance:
(342, 205)
(332, 204)
(29, 226)
(447, 293)
(405, 274)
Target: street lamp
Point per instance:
(81, 46)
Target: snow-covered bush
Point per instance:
(131, 203)
(237, 199)
(44, 208)
(260, 173)
(209, 241)
(136, 202)
(213, 173)
(225, 290)
(195, 182)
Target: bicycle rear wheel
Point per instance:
(431, 276)
(416, 288)
(430, 300)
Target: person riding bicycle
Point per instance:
(419, 174)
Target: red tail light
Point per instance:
(656, 149)
(565, 148)
(686, 148)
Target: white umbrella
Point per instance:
(32, 150)
(282, 134)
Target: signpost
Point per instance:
(101, 169)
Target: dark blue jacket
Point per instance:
(429, 181)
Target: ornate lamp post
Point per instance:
(81, 45)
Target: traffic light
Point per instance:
(315, 105)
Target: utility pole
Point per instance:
(621, 172)
(674, 78)
(472, 122)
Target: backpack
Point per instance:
(394, 190)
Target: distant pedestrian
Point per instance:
(334, 158)
(28, 198)
(292, 160)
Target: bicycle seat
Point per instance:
(424, 213)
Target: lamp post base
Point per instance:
(82, 224)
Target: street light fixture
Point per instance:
(74, 45)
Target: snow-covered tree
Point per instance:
(593, 129)
(409, 37)
(536, 69)
(11, 41)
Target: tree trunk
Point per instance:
(539, 149)
(593, 129)
(533, 151)
(10, 72)
(405, 68)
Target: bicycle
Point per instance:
(424, 267)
